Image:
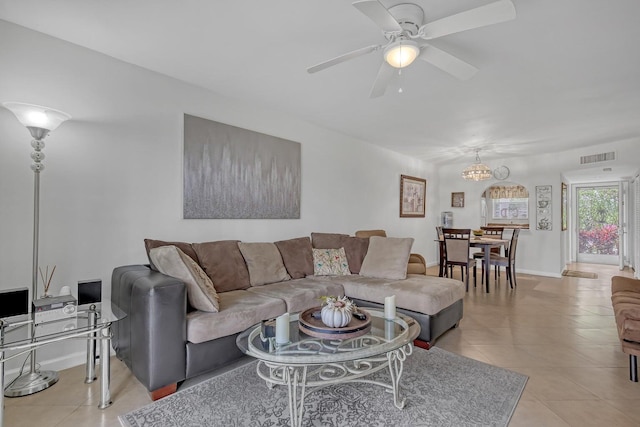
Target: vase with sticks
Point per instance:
(46, 280)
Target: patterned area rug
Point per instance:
(581, 274)
(441, 389)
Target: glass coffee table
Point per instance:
(307, 363)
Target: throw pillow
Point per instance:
(387, 258)
(264, 263)
(297, 256)
(356, 249)
(184, 247)
(327, 240)
(171, 261)
(330, 262)
(224, 264)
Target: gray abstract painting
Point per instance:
(230, 172)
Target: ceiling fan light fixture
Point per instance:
(477, 171)
(401, 53)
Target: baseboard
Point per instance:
(539, 273)
(58, 363)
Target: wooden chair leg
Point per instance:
(510, 275)
(633, 368)
(466, 277)
(475, 275)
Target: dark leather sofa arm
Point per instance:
(151, 339)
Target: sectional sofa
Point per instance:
(186, 308)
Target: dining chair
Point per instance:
(443, 252)
(508, 261)
(457, 243)
(491, 233)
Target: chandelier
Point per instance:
(478, 171)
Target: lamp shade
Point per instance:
(36, 116)
(401, 53)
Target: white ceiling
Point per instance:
(564, 74)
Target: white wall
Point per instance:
(539, 252)
(114, 172)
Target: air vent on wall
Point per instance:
(595, 158)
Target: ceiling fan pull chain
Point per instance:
(400, 80)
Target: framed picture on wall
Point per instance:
(543, 208)
(413, 193)
(457, 200)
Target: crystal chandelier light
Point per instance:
(478, 171)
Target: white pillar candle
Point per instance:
(282, 329)
(390, 307)
(389, 330)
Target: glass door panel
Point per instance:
(598, 223)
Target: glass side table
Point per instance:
(92, 324)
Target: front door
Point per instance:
(598, 224)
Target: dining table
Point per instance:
(486, 244)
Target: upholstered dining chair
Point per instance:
(442, 268)
(508, 261)
(457, 242)
(491, 233)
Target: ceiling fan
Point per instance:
(407, 35)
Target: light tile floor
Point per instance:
(559, 332)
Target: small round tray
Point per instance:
(315, 328)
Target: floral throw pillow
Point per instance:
(330, 262)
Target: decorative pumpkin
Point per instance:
(336, 313)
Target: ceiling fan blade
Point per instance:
(379, 15)
(342, 58)
(447, 62)
(382, 80)
(493, 13)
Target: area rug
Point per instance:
(441, 389)
(581, 274)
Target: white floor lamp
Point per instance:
(39, 121)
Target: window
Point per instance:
(506, 204)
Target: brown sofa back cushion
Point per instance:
(224, 264)
(184, 247)
(264, 263)
(355, 247)
(297, 256)
(327, 240)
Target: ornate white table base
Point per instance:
(302, 380)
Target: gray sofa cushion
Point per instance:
(387, 257)
(300, 294)
(238, 310)
(171, 261)
(423, 294)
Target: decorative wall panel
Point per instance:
(230, 172)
